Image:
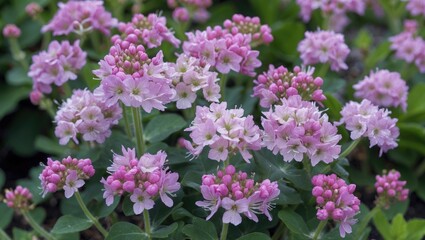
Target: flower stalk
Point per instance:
(89, 215)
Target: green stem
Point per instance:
(319, 229)
(224, 231)
(89, 215)
(307, 166)
(126, 121)
(138, 129)
(17, 53)
(365, 221)
(279, 231)
(350, 148)
(147, 223)
(4, 235)
(39, 229)
(223, 83)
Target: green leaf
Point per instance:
(200, 230)
(416, 229)
(382, 224)
(10, 96)
(6, 215)
(2, 178)
(415, 106)
(255, 236)
(398, 227)
(20, 234)
(164, 232)
(162, 126)
(288, 196)
(38, 214)
(50, 146)
(363, 40)
(377, 55)
(293, 221)
(70, 224)
(126, 231)
(286, 43)
(17, 76)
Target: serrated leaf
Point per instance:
(200, 230)
(162, 126)
(126, 231)
(70, 224)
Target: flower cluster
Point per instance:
(129, 75)
(324, 47)
(188, 77)
(223, 50)
(416, 7)
(383, 88)
(390, 188)
(68, 174)
(251, 26)
(296, 129)
(85, 114)
(143, 179)
(33, 9)
(279, 83)
(225, 131)
(81, 17)
(196, 9)
(335, 200)
(57, 65)
(148, 30)
(367, 120)
(334, 9)
(237, 194)
(18, 198)
(408, 46)
(11, 31)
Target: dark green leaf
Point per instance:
(293, 221)
(17, 76)
(50, 146)
(126, 231)
(6, 215)
(2, 178)
(255, 236)
(20, 234)
(288, 196)
(38, 214)
(10, 96)
(162, 126)
(164, 232)
(70, 224)
(200, 230)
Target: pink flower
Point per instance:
(234, 209)
(324, 47)
(80, 17)
(72, 183)
(33, 9)
(416, 7)
(389, 188)
(195, 9)
(250, 26)
(227, 61)
(181, 14)
(56, 66)
(141, 201)
(212, 200)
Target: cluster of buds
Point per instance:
(149, 31)
(326, 47)
(11, 31)
(81, 17)
(18, 198)
(188, 77)
(367, 120)
(297, 129)
(279, 83)
(250, 26)
(335, 200)
(383, 88)
(144, 179)
(68, 174)
(389, 188)
(237, 194)
(57, 65)
(85, 114)
(33, 9)
(130, 76)
(225, 131)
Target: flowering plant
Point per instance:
(200, 119)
